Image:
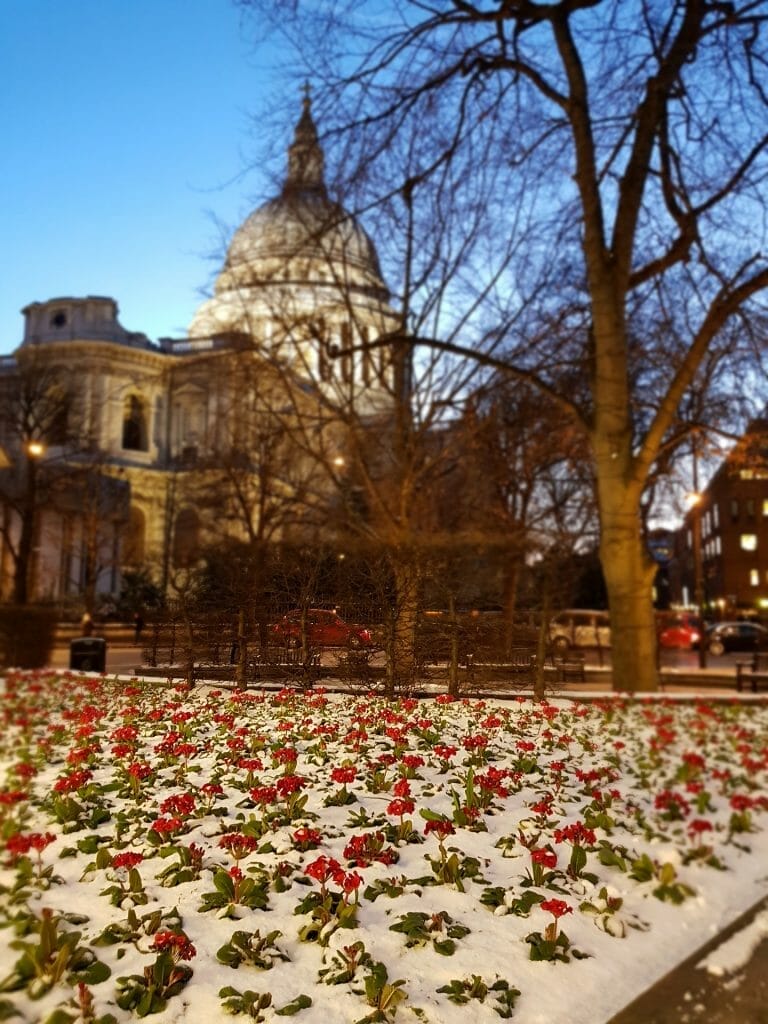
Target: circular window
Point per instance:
(59, 319)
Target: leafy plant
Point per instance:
(344, 964)
(462, 990)
(420, 929)
(382, 994)
(232, 892)
(253, 949)
(54, 957)
(149, 992)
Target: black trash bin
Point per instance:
(88, 654)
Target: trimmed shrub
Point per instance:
(27, 635)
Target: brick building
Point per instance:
(732, 515)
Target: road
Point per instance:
(124, 656)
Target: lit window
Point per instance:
(716, 514)
(754, 578)
(718, 546)
(765, 506)
(748, 542)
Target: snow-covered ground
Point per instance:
(346, 859)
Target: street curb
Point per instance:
(688, 992)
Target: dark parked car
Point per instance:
(736, 636)
(324, 629)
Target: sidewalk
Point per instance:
(731, 989)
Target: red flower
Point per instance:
(323, 869)
(557, 908)
(263, 795)
(741, 802)
(177, 945)
(344, 774)
(19, 844)
(350, 881)
(412, 761)
(400, 807)
(167, 826)
(307, 838)
(699, 825)
(441, 827)
(73, 781)
(8, 797)
(576, 834)
(289, 784)
(127, 859)
(239, 845)
(179, 803)
(547, 858)
(402, 788)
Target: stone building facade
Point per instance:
(188, 425)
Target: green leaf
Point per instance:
(301, 1002)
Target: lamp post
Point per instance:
(33, 452)
(695, 501)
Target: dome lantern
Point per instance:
(305, 155)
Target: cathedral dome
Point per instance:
(299, 258)
(301, 238)
(302, 230)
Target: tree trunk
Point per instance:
(241, 669)
(401, 660)
(511, 581)
(629, 573)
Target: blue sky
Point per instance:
(127, 133)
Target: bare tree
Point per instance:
(35, 421)
(569, 168)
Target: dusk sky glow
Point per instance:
(128, 136)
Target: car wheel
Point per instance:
(717, 648)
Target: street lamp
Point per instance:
(695, 501)
(33, 450)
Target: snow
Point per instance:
(664, 797)
(736, 951)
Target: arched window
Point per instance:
(135, 537)
(134, 425)
(186, 538)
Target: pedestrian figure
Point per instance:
(86, 624)
(138, 625)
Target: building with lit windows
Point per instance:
(732, 515)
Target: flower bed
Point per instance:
(187, 854)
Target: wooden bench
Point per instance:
(570, 669)
(753, 672)
(517, 669)
(284, 662)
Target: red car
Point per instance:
(682, 631)
(324, 629)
